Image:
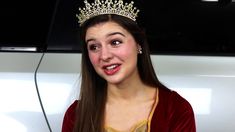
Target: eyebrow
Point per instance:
(110, 34)
(114, 33)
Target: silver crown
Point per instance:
(107, 7)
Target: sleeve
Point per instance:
(69, 118)
(182, 115)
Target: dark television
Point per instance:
(181, 27)
(25, 23)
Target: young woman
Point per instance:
(120, 91)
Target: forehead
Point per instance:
(105, 28)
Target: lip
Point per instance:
(113, 68)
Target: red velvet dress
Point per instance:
(172, 114)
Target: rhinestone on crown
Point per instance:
(100, 7)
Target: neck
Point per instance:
(125, 92)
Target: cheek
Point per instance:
(93, 58)
(129, 50)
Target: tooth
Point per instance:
(111, 67)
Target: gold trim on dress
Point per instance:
(153, 109)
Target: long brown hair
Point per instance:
(91, 107)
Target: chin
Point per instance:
(114, 81)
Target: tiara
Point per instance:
(100, 7)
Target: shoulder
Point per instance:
(174, 100)
(72, 107)
(177, 111)
(69, 117)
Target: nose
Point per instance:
(106, 54)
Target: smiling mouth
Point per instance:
(111, 69)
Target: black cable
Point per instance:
(39, 97)
(52, 21)
(35, 74)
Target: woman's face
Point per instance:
(112, 51)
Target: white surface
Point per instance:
(58, 80)
(206, 82)
(20, 109)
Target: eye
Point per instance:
(115, 43)
(93, 47)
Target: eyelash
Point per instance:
(115, 42)
(93, 47)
